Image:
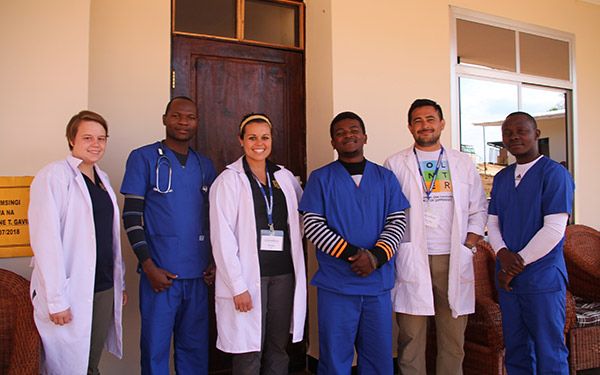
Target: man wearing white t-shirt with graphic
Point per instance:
(434, 264)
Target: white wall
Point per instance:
(44, 75)
(129, 85)
(319, 113)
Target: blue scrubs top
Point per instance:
(546, 189)
(357, 213)
(176, 223)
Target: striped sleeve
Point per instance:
(390, 237)
(325, 239)
(133, 222)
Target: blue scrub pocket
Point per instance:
(544, 280)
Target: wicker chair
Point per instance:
(484, 340)
(19, 339)
(582, 256)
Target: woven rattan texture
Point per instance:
(582, 256)
(19, 339)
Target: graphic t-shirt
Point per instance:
(439, 207)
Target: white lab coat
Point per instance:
(235, 250)
(62, 235)
(413, 293)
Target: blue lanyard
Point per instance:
(268, 202)
(437, 169)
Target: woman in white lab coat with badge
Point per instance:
(256, 235)
(77, 284)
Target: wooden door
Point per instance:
(229, 80)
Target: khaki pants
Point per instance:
(412, 334)
(101, 319)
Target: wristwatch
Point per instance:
(471, 247)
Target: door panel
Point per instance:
(230, 80)
(245, 86)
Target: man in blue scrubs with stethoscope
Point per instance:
(166, 218)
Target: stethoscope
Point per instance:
(163, 159)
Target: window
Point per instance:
(270, 22)
(502, 66)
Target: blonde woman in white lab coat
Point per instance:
(77, 285)
(260, 286)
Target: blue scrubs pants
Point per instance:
(533, 325)
(181, 311)
(346, 321)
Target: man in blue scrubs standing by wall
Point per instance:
(530, 206)
(354, 214)
(166, 218)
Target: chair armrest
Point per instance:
(571, 314)
(486, 323)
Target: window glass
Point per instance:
(544, 57)
(208, 17)
(483, 107)
(485, 45)
(548, 108)
(271, 23)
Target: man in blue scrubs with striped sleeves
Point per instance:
(354, 214)
(530, 206)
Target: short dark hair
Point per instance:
(253, 117)
(524, 114)
(73, 125)
(425, 103)
(343, 116)
(180, 98)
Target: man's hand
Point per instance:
(361, 264)
(209, 274)
(125, 298)
(159, 279)
(243, 302)
(504, 280)
(511, 263)
(61, 318)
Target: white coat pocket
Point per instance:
(467, 272)
(406, 261)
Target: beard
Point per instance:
(425, 142)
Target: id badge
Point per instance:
(271, 240)
(432, 220)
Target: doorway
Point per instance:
(228, 80)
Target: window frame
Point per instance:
(520, 79)
(240, 16)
